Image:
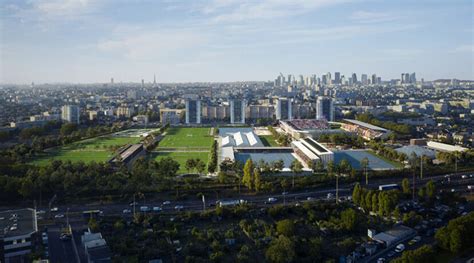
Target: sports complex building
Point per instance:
(309, 150)
(365, 130)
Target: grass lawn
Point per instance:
(97, 149)
(268, 140)
(182, 157)
(187, 137)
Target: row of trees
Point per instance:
(381, 202)
(251, 178)
(212, 165)
(387, 152)
(195, 164)
(342, 139)
(404, 129)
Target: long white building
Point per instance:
(310, 150)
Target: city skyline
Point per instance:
(222, 41)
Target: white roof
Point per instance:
(239, 140)
(251, 138)
(226, 141)
(305, 150)
(228, 153)
(366, 125)
(445, 147)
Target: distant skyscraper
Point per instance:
(283, 109)
(328, 78)
(154, 80)
(374, 79)
(324, 80)
(112, 81)
(70, 113)
(364, 79)
(237, 111)
(354, 78)
(413, 77)
(193, 111)
(337, 78)
(143, 83)
(324, 109)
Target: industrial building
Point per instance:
(365, 130)
(394, 236)
(443, 147)
(309, 150)
(17, 232)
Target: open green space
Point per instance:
(98, 149)
(268, 140)
(182, 157)
(187, 137)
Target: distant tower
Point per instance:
(193, 111)
(112, 81)
(143, 83)
(284, 109)
(237, 111)
(324, 109)
(154, 80)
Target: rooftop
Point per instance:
(17, 222)
(308, 124)
(366, 125)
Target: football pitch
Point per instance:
(98, 149)
(187, 137)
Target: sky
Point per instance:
(85, 41)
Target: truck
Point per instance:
(230, 203)
(386, 187)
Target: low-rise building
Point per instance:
(17, 234)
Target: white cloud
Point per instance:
(372, 17)
(237, 11)
(463, 48)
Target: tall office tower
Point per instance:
(379, 80)
(402, 78)
(349, 82)
(328, 78)
(154, 80)
(337, 78)
(324, 80)
(237, 111)
(193, 111)
(70, 113)
(283, 109)
(374, 79)
(324, 108)
(289, 79)
(112, 81)
(413, 77)
(364, 79)
(407, 78)
(143, 83)
(354, 78)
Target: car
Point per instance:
(309, 198)
(329, 196)
(453, 190)
(40, 212)
(178, 207)
(126, 211)
(284, 193)
(157, 209)
(381, 260)
(54, 209)
(59, 216)
(399, 248)
(166, 202)
(65, 237)
(470, 187)
(272, 200)
(144, 209)
(133, 203)
(464, 176)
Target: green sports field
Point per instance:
(98, 149)
(187, 137)
(182, 157)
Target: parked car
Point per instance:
(309, 198)
(381, 260)
(54, 209)
(272, 200)
(399, 248)
(133, 203)
(166, 203)
(157, 209)
(59, 216)
(178, 207)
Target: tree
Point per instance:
(423, 254)
(286, 227)
(68, 128)
(405, 186)
(279, 165)
(349, 219)
(190, 164)
(296, 168)
(200, 166)
(430, 189)
(257, 180)
(356, 193)
(248, 174)
(345, 166)
(281, 250)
